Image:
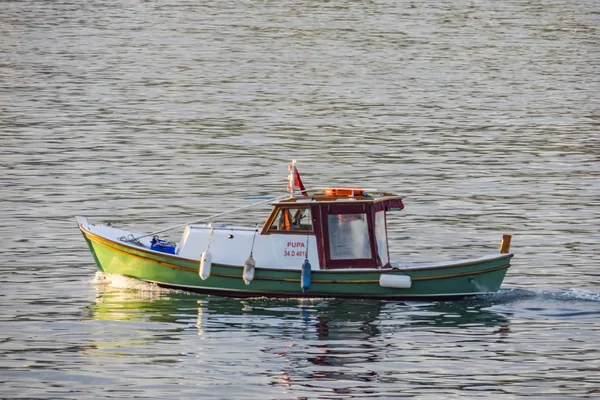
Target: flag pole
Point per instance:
(292, 178)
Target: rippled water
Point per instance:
(484, 114)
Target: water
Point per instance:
(483, 114)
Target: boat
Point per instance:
(320, 243)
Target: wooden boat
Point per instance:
(323, 243)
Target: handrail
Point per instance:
(210, 217)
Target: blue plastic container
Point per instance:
(162, 246)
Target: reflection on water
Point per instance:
(329, 347)
(304, 344)
(126, 299)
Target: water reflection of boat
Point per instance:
(304, 342)
(156, 305)
(325, 318)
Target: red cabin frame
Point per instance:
(345, 228)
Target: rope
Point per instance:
(131, 239)
(135, 240)
(253, 239)
(208, 218)
(210, 238)
(307, 241)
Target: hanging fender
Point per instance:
(205, 264)
(249, 268)
(305, 276)
(395, 281)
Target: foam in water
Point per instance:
(116, 281)
(573, 295)
(507, 295)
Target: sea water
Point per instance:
(484, 115)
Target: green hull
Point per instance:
(447, 281)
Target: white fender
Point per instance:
(249, 268)
(205, 264)
(395, 281)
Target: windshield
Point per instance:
(292, 219)
(348, 236)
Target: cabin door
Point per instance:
(345, 235)
(381, 237)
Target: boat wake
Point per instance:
(573, 295)
(548, 304)
(103, 280)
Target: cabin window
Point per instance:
(292, 219)
(381, 237)
(348, 236)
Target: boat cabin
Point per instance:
(335, 228)
(349, 225)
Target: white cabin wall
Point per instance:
(193, 242)
(232, 246)
(285, 251)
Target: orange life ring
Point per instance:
(344, 192)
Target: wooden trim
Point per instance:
(303, 233)
(269, 222)
(266, 229)
(427, 278)
(505, 244)
(459, 264)
(324, 199)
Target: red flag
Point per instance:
(295, 181)
(299, 183)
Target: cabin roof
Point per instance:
(369, 198)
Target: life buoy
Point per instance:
(344, 192)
